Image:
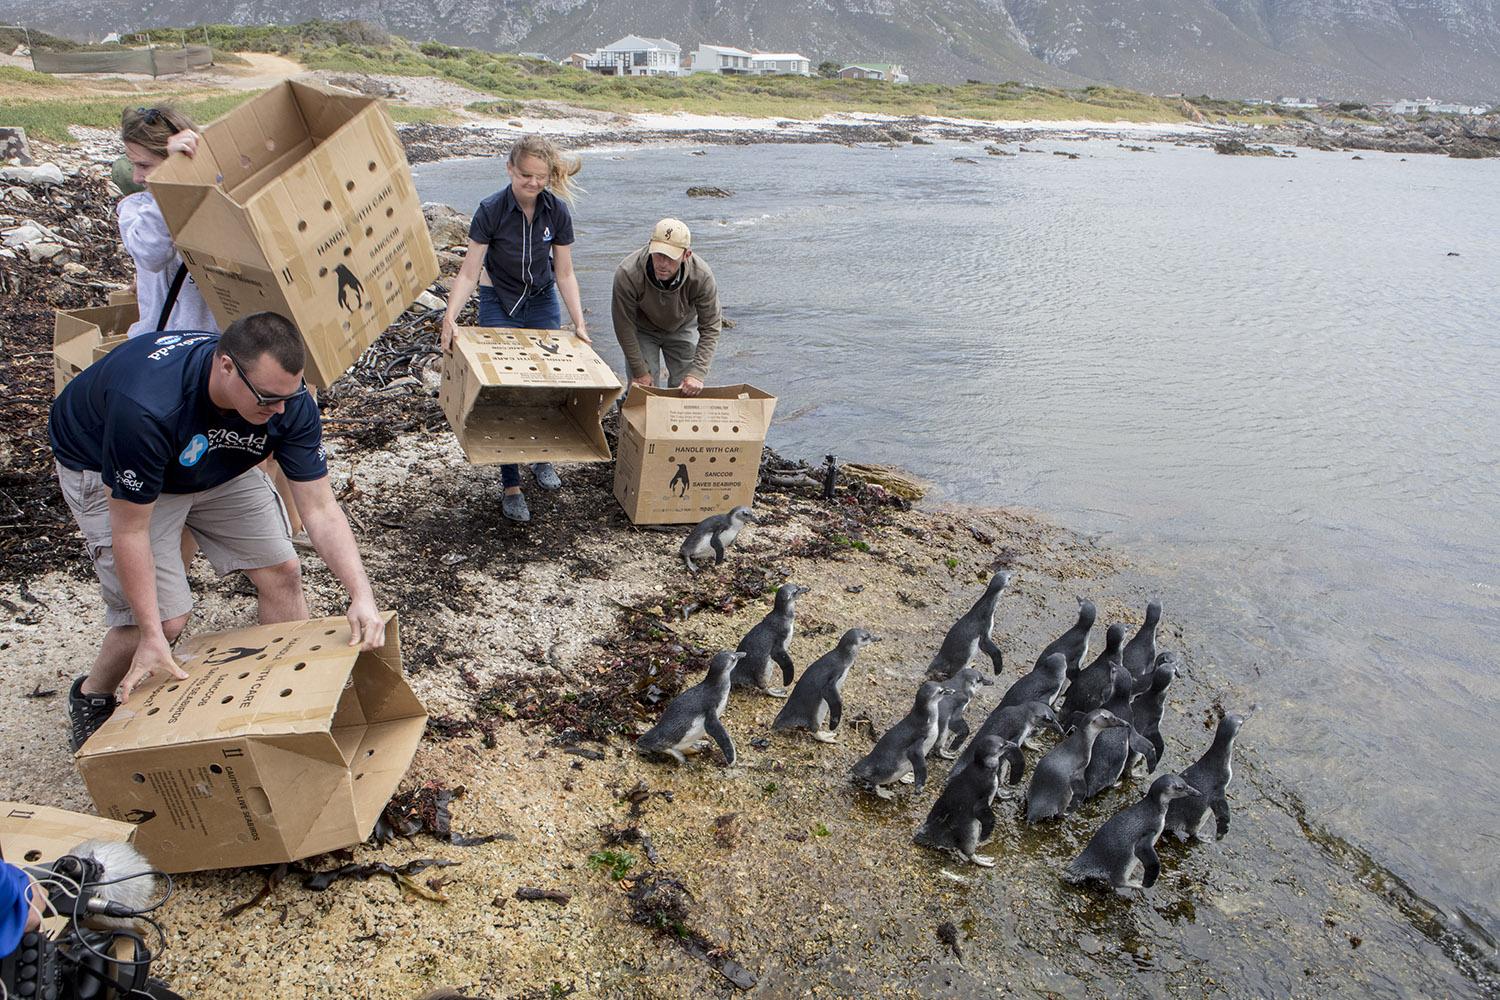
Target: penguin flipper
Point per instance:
(1138, 744)
(918, 765)
(958, 732)
(986, 823)
(1145, 852)
(718, 547)
(1017, 762)
(993, 652)
(835, 709)
(715, 729)
(1220, 806)
(785, 663)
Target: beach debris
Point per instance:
(274, 875)
(616, 863)
(948, 934)
(401, 876)
(966, 159)
(660, 901)
(37, 692)
(728, 829)
(552, 895)
(426, 810)
(584, 752)
(616, 835)
(995, 150)
(42, 175)
(708, 191)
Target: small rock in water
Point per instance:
(708, 192)
(965, 159)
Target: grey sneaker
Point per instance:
(87, 712)
(546, 476)
(513, 506)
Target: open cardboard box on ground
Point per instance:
(284, 742)
(300, 201)
(527, 396)
(685, 458)
(35, 835)
(82, 336)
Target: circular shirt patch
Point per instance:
(196, 449)
(167, 340)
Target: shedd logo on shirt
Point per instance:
(171, 342)
(196, 449)
(129, 480)
(219, 437)
(168, 340)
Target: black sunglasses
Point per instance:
(260, 397)
(149, 115)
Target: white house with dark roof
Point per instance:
(891, 72)
(781, 62)
(634, 55)
(724, 59)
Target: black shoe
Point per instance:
(88, 712)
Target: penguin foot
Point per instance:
(778, 692)
(948, 754)
(676, 755)
(982, 861)
(824, 736)
(883, 792)
(908, 778)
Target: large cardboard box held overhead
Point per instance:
(82, 336)
(684, 458)
(284, 742)
(527, 396)
(35, 835)
(300, 201)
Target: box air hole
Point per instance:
(262, 656)
(329, 632)
(716, 428)
(173, 687)
(33, 855)
(322, 272)
(244, 675)
(712, 459)
(244, 162)
(372, 166)
(152, 711)
(695, 428)
(369, 230)
(270, 145)
(299, 666)
(327, 205)
(301, 225)
(674, 427)
(216, 768)
(408, 265)
(286, 692)
(348, 251)
(731, 458)
(390, 212)
(226, 699)
(734, 430)
(369, 753)
(348, 185)
(138, 778)
(358, 776)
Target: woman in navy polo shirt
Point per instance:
(520, 256)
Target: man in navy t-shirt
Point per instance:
(165, 432)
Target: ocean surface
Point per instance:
(1273, 383)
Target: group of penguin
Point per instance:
(1109, 719)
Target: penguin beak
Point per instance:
(751, 517)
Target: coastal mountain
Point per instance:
(1449, 49)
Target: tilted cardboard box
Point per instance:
(284, 742)
(35, 835)
(300, 201)
(527, 396)
(82, 336)
(685, 458)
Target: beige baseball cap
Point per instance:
(671, 237)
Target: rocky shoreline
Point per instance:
(540, 651)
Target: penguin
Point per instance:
(1093, 684)
(817, 694)
(1056, 787)
(971, 633)
(903, 750)
(953, 729)
(1074, 643)
(963, 817)
(1146, 711)
(713, 535)
(1128, 838)
(693, 713)
(1139, 655)
(1044, 683)
(767, 643)
(1013, 724)
(1209, 777)
(1114, 748)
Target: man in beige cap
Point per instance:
(666, 304)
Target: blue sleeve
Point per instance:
(300, 451)
(564, 235)
(482, 226)
(133, 460)
(14, 907)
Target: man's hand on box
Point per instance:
(691, 386)
(366, 626)
(152, 657)
(185, 141)
(645, 381)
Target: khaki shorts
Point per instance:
(239, 525)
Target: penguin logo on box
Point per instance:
(681, 477)
(348, 282)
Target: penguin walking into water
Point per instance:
(1147, 709)
(1057, 783)
(1123, 852)
(1139, 655)
(970, 634)
(767, 645)
(901, 754)
(692, 714)
(1115, 747)
(953, 728)
(1074, 643)
(1012, 724)
(963, 818)
(1210, 777)
(1044, 683)
(1094, 684)
(817, 696)
(712, 537)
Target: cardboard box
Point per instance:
(683, 459)
(82, 336)
(527, 396)
(284, 742)
(35, 835)
(301, 201)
